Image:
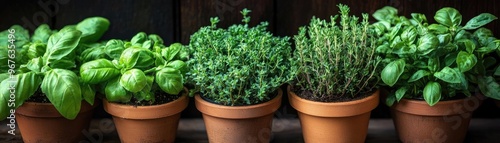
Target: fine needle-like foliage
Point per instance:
(336, 61)
(240, 65)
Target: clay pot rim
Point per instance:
(147, 112)
(47, 110)
(334, 109)
(442, 108)
(238, 112)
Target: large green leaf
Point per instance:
(25, 86)
(170, 80)
(391, 73)
(432, 93)
(450, 75)
(114, 48)
(61, 44)
(465, 61)
(178, 65)
(480, 20)
(137, 57)
(427, 44)
(36, 50)
(400, 93)
(386, 13)
(133, 80)
(63, 91)
(98, 71)
(489, 87)
(115, 92)
(418, 75)
(92, 28)
(170, 52)
(448, 16)
(139, 38)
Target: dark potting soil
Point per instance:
(160, 98)
(38, 97)
(325, 98)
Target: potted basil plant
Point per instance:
(336, 86)
(142, 81)
(432, 70)
(237, 73)
(50, 102)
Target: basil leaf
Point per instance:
(449, 75)
(139, 38)
(35, 64)
(136, 57)
(145, 93)
(4, 101)
(93, 53)
(427, 44)
(179, 65)
(438, 29)
(466, 61)
(170, 52)
(41, 34)
(418, 75)
(448, 16)
(419, 17)
(133, 80)
(61, 44)
(36, 50)
(115, 92)
(483, 33)
(433, 64)
(156, 39)
(391, 73)
(64, 92)
(92, 29)
(114, 48)
(432, 93)
(409, 35)
(88, 93)
(391, 98)
(386, 13)
(479, 21)
(489, 87)
(400, 93)
(98, 71)
(170, 80)
(444, 39)
(65, 63)
(27, 84)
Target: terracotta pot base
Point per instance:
(147, 124)
(235, 124)
(334, 122)
(445, 122)
(42, 123)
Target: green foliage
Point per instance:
(439, 59)
(337, 59)
(48, 62)
(240, 65)
(128, 69)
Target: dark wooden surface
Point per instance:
(285, 130)
(176, 20)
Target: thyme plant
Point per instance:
(337, 61)
(240, 65)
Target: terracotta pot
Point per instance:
(445, 122)
(324, 122)
(147, 124)
(237, 124)
(42, 123)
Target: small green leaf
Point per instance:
(133, 80)
(427, 44)
(480, 20)
(41, 34)
(114, 48)
(88, 93)
(178, 65)
(170, 80)
(139, 38)
(170, 52)
(432, 93)
(386, 13)
(36, 50)
(400, 93)
(466, 61)
(448, 16)
(418, 75)
(409, 35)
(391, 73)
(468, 44)
(63, 91)
(449, 75)
(438, 28)
(137, 57)
(444, 39)
(97, 71)
(433, 64)
(390, 100)
(115, 92)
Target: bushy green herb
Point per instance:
(239, 65)
(336, 60)
(48, 63)
(434, 61)
(134, 71)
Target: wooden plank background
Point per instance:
(176, 20)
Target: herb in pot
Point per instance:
(432, 61)
(240, 65)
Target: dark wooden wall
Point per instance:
(176, 20)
